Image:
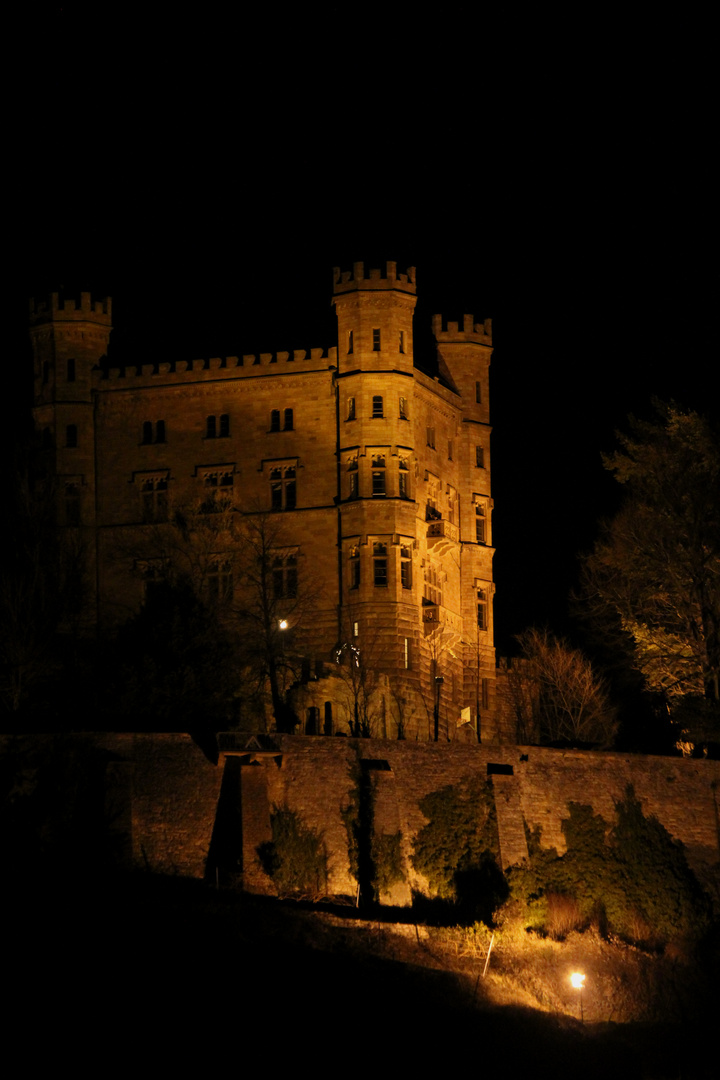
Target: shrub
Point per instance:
(631, 878)
(388, 862)
(458, 850)
(295, 858)
(563, 915)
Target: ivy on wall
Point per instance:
(458, 851)
(628, 876)
(295, 858)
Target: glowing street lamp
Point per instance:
(282, 624)
(578, 981)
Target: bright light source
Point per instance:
(577, 980)
(282, 624)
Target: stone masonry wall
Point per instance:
(166, 792)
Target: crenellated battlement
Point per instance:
(68, 309)
(478, 333)
(354, 280)
(225, 367)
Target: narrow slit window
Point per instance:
(288, 420)
(376, 340)
(224, 426)
(275, 420)
(377, 406)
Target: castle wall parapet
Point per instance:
(353, 280)
(228, 367)
(478, 333)
(69, 309)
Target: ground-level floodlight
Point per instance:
(578, 981)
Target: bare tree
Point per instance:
(44, 583)
(556, 696)
(651, 587)
(358, 657)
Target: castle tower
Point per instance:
(377, 462)
(464, 353)
(68, 340)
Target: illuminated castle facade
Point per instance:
(372, 475)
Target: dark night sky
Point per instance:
(210, 186)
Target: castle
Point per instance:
(365, 479)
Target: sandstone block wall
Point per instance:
(163, 796)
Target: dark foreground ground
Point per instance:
(157, 975)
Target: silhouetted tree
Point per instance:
(652, 582)
(173, 666)
(556, 695)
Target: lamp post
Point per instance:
(439, 680)
(578, 981)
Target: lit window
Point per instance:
(284, 577)
(352, 469)
(288, 420)
(408, 654)
(154, 498)
(377, 406)
(154, 573)
(71, 369)
(451, 496)
(432, 587)
(220, 582)
(403, 479)
(356, 629)
(480, 457)
(283, 491)
(376, 341)
(351, 408)
(72, 503)
(378, 475)
(380, 565)
(219, 485)
(71, 436)
(482, 609)
(354, 567)
(275, 420)
(480, 519)
(405, 568)
(431, 437)
(153, 432)
(403, 408)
